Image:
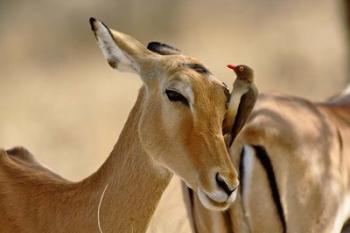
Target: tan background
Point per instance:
(60, 99)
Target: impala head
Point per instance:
(183, 109)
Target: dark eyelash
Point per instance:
(176, 97)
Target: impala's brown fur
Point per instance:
(308, 145)
(160, 138)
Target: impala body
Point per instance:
(294, 162)
(176, 126)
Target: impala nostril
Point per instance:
(222, 183)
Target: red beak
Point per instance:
(232, 67)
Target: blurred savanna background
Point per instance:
(61, 100)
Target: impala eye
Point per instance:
(175, 96)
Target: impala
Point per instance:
(294, 163)
(174, 127)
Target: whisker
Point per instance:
(98, 209)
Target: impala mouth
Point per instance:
(216, 201)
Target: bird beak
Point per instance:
(232, 67)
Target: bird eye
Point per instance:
(241, 68)
(175, 96)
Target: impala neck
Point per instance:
(134, 181)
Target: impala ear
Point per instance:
(162, 48)
(122, 51)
